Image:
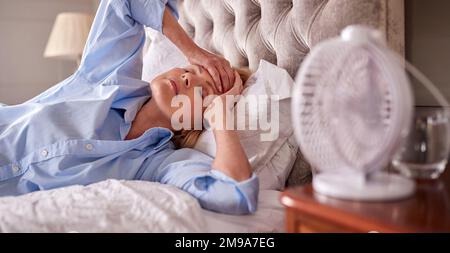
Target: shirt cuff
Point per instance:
(249, 189)
(172, 4)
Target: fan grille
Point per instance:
(351, 105)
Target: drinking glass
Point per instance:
(425, 152)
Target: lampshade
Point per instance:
(69, 36)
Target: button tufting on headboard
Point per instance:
(283, 31)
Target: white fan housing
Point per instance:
(352, 108)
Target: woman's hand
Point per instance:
(219, 105)
(218, 67)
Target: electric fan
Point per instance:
(352, 109)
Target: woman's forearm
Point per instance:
(218, 67)
(176, 34)
(230, 157)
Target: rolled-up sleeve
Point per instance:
(150, 12)
(191, 171)
(145, 12)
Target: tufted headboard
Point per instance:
(283, 32)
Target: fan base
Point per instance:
(379, 187)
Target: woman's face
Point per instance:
(185, 82)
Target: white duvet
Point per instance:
(108, 206)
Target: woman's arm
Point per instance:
(176, 34)
(219, 68)
(190, 170)
(231, 158)
(114, 47)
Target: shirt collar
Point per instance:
(159, 135)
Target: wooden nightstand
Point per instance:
(427, 211)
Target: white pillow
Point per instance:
(160, 55)
(272, 161)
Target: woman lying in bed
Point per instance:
(104, 122)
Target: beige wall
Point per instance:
(428, 44)
(24, 29)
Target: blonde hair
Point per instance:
(188, 138)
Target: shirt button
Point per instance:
(89, 147)
(44, 153)
(16, 168)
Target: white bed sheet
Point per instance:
(109, 206)
(130, 206)
(269, 218)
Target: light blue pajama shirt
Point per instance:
(74, 132)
